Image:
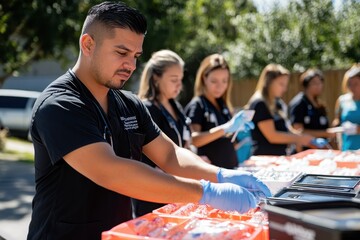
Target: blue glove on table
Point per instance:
(227, 197)
(237, 123)
(244, 179)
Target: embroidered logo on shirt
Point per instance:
(130, 122)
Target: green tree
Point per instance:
(303, 34)
(349, 39)
(193, 29)
(209, 28)
(38, 29)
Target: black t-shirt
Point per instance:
(177, 130)
(301, 110)
(261, 146)
(67, 205)
(201, 111)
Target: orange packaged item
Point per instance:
(149, 226)
(348, 159)
(205, 211)
(316, 154)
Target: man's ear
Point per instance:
(86, 44)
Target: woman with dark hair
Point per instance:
(306, 111)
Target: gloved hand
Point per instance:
(319, 142)
(245, 180)
(237, 123)
(349, 128)
(227, 197)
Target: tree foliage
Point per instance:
(209, 28)
(193, 29)
(308, 33)
(304, 33)
(38, 29)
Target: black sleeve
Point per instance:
(262, 112)
(297, 113)
(195, 111)
(63, 123)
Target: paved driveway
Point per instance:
(16, 193)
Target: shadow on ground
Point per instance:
(16, 189)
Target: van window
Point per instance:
(13, 102)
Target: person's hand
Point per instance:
(227, 197)
(319, 142)
(237, 123)
(304, 140)
(349, 128)
(244, 179)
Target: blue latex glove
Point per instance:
(249, 125)
(246, 180)
(227, 197)
(349, 128)
(319, 142)
(237, 123)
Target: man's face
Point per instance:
(114, 58)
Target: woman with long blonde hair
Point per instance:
(211, 113)
(160, 85)
(272, 133)
(347, 110)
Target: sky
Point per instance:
(264, 5)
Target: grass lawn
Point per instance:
(17, 149)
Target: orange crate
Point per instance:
(139, 227)
(155, 227)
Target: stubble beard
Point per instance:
(109, 84)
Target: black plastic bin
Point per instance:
(330, 220)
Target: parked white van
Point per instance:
(15, 110)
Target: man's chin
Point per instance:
(118, 86)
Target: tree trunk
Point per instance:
(3, 78)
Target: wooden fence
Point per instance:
(242, 90)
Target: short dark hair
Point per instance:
(116, 15)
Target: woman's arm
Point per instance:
(337, 113)
(267, 128)
(316, 133)
(200, 138)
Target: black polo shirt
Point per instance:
(301, 110)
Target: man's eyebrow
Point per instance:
(123, 47)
